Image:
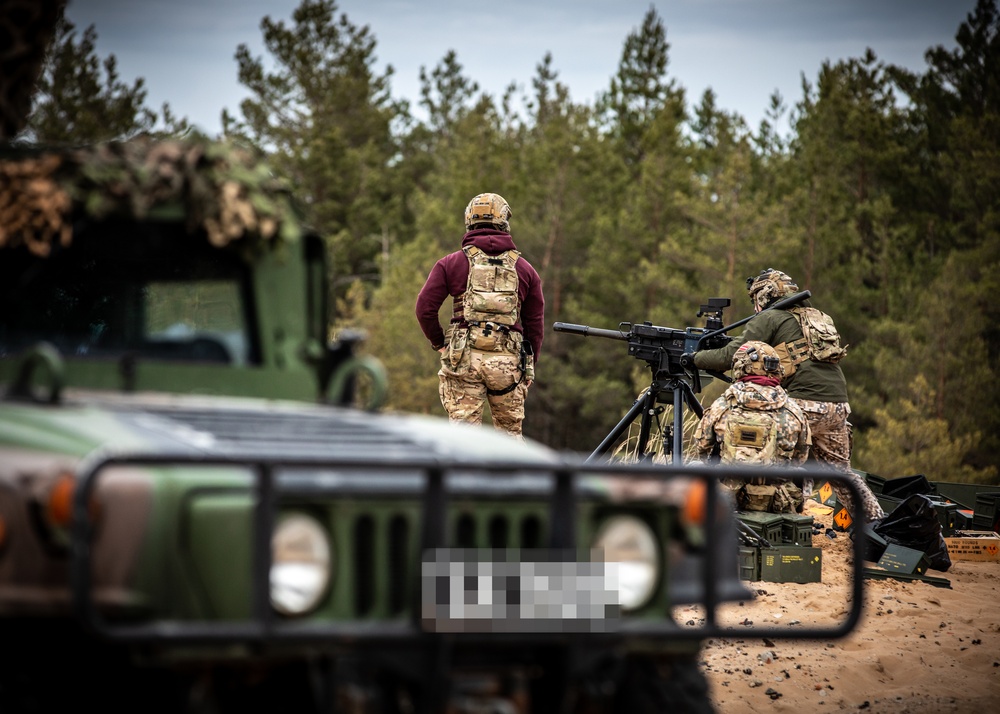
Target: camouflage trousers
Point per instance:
(468, 375)
(831, 446)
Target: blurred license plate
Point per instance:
(482, 590)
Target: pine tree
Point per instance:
(911, 440)
(82, 99)
(640, 89)
(734, 224)
(325, 118)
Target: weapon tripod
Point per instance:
(649, 405)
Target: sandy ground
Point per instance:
(919, 649)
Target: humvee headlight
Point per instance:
(301, 564)
(631, 559)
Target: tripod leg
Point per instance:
(677, 452)
(645, 425)
(683, 394)
(642, 405)
(692, 400)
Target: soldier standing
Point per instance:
(755, 422)
(489, 350)
(808, 346)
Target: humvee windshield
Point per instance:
(168, 296)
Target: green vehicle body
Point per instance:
(144, 467)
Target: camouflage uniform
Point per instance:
(819, 388)
(831, 445)
(481, 360)
(470, 377)
(756, 424)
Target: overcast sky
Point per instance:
(743, 49)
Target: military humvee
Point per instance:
(201, 509)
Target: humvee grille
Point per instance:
(386, 542)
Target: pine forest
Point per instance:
(882, 198)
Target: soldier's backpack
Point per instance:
(491, 292)
(821, 336)
(751, 438)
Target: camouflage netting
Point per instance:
(209, 185)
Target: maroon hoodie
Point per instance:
(450, 276)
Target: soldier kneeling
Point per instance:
(755, 422)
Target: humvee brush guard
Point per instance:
(201, 510)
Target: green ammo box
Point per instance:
(986, 516)
(947, 513)
(791, 564)
(900, 559)
(796, 529)
(749, 563)
(963, 520)
(875, 483)
(766, 525)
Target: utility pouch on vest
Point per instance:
(759, 498)
(456, 345)
(792, 354)
(527, 361)
(787, 497)
(485, 337)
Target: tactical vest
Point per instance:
(820, 340)
(491, 292)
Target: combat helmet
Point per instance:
(757, 358)
(488, 208)
(769, 286)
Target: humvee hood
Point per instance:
(88, 421)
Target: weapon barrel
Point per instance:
(790, 300)
(588, 331)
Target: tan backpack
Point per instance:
(491, 292)
(821, 336)
(820, 340)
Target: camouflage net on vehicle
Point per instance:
(210, 185)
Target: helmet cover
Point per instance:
(491, 208)
(769, 286)
(757, 358)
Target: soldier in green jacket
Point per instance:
(808, 345)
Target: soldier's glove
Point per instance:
(687, 360)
